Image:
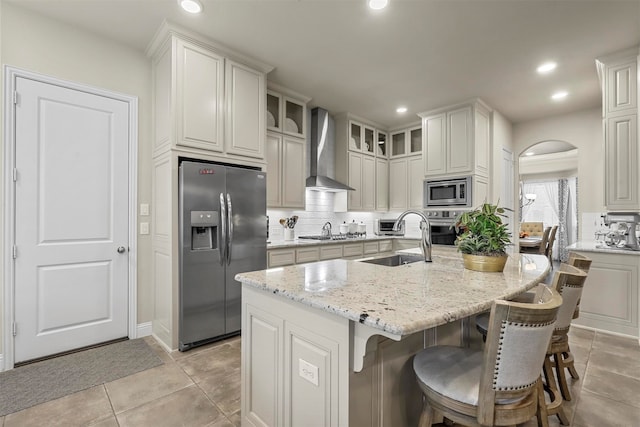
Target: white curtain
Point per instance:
(555, 204)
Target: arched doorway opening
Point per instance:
(548, 183)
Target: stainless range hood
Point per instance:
(321, 152)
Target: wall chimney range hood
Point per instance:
(321, 153)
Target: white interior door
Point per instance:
(71, 219)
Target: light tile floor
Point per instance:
(201, 387)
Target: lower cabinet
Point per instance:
(610, 297)
(350, 250)
(294, 365)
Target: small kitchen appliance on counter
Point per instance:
(384, 227)
(622, 234)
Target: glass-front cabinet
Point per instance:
(406, 142)
(286, 114)
(361, 138)
(381, 144)
(398, 144)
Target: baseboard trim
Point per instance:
(143, 330)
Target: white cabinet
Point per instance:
(621, 165)
(295, 365)
(206, 102)
(406, 142)
(405, 182)
(310, 253)
(286, 123)
(361, 151)
(245, 119)
(362, 178)
(286, 111)
(199, 97)
(368, 183)
(285, 157)
(382, 185)
(610, 297)
(619, 80)
(457, 140)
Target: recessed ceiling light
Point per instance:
(559, 95)
(529, 153)
(401, 110)
(547, 67)
(377, 4)
(191, 6)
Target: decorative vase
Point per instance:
(484, 263)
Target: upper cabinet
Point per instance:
(207, 100)
(360, 162)
(456, 140)
(619, 81)
(286, 111)
(406, 141)
(286, 119)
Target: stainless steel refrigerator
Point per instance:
(222, 232)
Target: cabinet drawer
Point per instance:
(278, 258)
(371, 247)
(306, 255)
(352, 249)
(331, 252)
(385, 246)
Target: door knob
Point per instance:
(121, 249)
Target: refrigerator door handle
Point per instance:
(222, 237)
(230, 229)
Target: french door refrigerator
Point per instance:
(222, 232)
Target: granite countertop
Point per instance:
(405, 299)
(281, 244)
(593, 246)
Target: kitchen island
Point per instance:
(330, 343)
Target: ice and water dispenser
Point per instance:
(204, 230)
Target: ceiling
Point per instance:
(422, 54)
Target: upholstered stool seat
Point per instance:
(499, 385)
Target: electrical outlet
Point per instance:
(144, 228)
(144, 209)
(308, 371)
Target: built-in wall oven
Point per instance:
(442, 223)
(447, 193)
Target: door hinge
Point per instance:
(14, 329)
(15, 251)
(15, 97)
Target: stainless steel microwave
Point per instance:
(454, 192)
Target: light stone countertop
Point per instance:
(601, 247)
(282, 244)
(400, 300)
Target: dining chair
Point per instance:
(542, 249)
(532, 228)
(499, 385)
(550, 242)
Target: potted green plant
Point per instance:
(484, 238)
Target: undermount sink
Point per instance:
(394, 260)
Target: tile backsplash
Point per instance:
(320, 209)
(591, 222)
